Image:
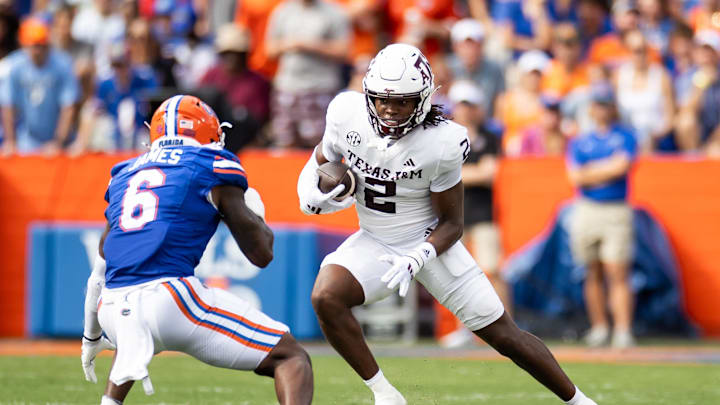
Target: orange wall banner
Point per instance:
(684, 196)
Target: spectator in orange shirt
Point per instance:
(705, 16)
(566, 71)
(253, 15)
(520, 107)
(609, 51)
(365, 19)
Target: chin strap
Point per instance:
(224, 124)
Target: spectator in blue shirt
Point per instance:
(525, 25)
(124, 95)
(39, 94)
(601, 232)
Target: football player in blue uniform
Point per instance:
(142, 297)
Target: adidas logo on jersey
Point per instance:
(409, 163)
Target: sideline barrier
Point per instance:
(61, 257)
(683, 195)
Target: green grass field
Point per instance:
(183, 380)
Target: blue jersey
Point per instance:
(594, 146)
(160, 214)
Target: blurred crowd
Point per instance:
(84, 75)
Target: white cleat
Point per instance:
(622, 340)
(390, 398)
(597, 336)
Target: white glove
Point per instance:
(90, 349)
(254, 202)
(314, 201)
(405, 267)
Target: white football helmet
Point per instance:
(402, 71)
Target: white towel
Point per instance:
(134, 341)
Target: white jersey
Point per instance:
(395, 179)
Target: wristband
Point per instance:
(423, 253)
(92, 340)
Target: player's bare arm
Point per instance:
(448, 206)
(252, 235)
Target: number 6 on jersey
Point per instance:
(140, 204)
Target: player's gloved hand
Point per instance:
(315, 201)
(90, 349)
(405, 267)
(254, 202)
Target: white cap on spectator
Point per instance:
(467, 28)
(466, 91)
(231, 38)
(533, 60)
(709, 38)
(623, 6)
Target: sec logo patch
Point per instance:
(353, 138)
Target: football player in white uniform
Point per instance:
(409, 200)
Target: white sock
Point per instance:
(106, 400)
(379, 384)
(577, 398)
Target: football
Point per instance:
(334, 173)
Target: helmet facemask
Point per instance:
(398, 71)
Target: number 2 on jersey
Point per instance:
(140, 205)
(370, 195)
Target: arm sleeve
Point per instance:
(107, 192)
(449, 171)
(95, 283)
(330, 137)
(227, 170)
